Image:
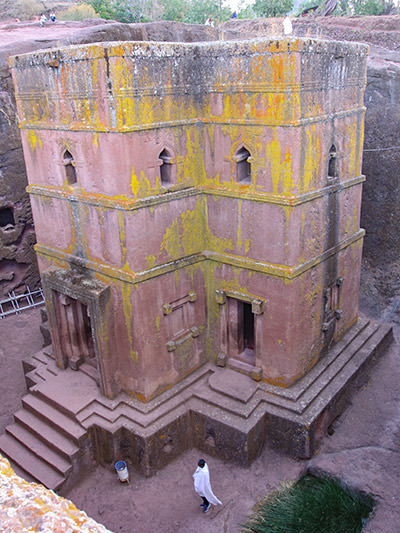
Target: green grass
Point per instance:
(311, 505)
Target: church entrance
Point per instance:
(75, 328)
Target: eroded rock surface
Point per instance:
(31, 507)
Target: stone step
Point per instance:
(336, 386)
(68, 393)
(48, 350)
(90, 371)
(28, 461)
(116, 414)
(41, 373)
(32, 379)
(340, 365)
(215, 398)
(38, 368)
(41, 357)
(46, 433)
(59, 422)
(52, 369)
(107, 418)
(44, 451)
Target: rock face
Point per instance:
(31, 507)
(381, 198)
(17, 258)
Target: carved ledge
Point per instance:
(221, 359)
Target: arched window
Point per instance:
(243, 166)
(332, 165)
(69, 165)
(165, 167)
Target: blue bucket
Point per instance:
(120, 465)
(122, 471)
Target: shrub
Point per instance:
(27, 9)
(80, 12)
(312, 505)
(272, 8)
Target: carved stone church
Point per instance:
(197, 212)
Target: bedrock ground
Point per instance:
(363, 451)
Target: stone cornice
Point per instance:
(130, 204)
(90, 128)
(270, 269)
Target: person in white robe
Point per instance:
(202, 486)
(287, 25)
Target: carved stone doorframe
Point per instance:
(230, 344)
(94, 295)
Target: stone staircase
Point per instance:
(65, 421)
(45, 443)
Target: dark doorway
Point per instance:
(248, 326)
(246, 337)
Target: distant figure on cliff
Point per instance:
(209, 22)
(42, 20)
(202, 486)
(52, 16)
(287, 25)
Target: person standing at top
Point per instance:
(287, 25)
(202, 486)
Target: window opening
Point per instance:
(6, 217)
(69, 165)
(165, 167)
(243, 167)
(332, 301)
(332, 165)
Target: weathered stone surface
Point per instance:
(31, 507)
(289, 105)
(18, 265)
(380, 280)
(381, 269)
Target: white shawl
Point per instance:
(202, 485)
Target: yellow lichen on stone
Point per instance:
(31, 507)
(312, 152)
(126, 289)
(34, 139)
